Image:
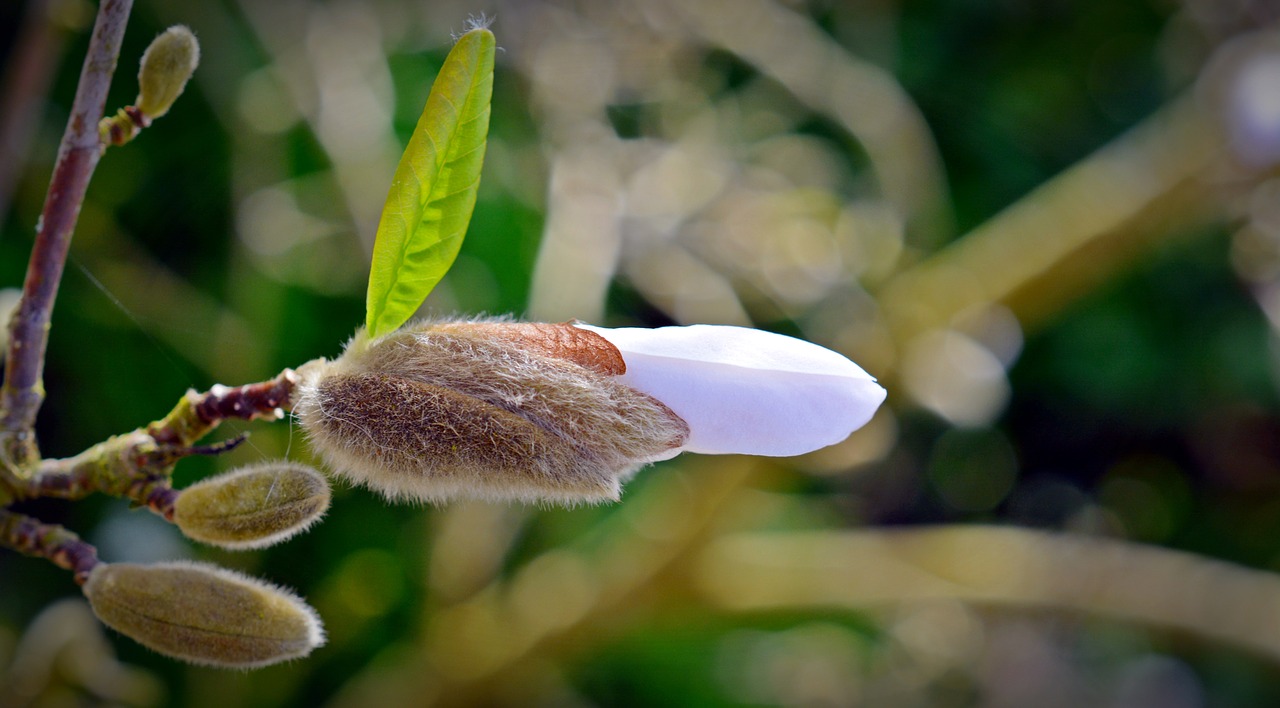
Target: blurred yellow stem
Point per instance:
(1072, 233)
(859, 96)
(1000, 567)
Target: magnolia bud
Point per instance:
(493, 410)
(252, 507)
(166, 66)
(203, 614)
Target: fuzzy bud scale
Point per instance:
(166, 66)
(252, 507)
(203, 614)
(494, 410)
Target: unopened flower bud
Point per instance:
(493, 410)
(166, 66)
(252, 507)
(565, 412)
(203, 614)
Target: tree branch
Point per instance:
(137, 465)
(55, 543)
(23, 390)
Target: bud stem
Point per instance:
(123, 126)
(50, 541)
(137, 465)
(199, 413)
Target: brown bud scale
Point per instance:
(558, 341)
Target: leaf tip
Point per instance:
(476, 22)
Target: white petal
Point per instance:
(748, 391)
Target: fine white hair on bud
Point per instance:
(203, 614)
(166, 66)
(747, 391)
(484, 409)
(252, 507)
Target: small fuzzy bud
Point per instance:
(495, 410)
(252, 507)
(203, 614)
(166, 66)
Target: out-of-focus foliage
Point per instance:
(1050, 228)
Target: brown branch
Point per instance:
(128, 466)
(23, 390)
(138, 465)
(49, 541)
(199, 413)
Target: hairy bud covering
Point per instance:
(203, 614)
(252, 507)
(495, 410)
(166, 65)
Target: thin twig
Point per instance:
(50, 541)
(199, 413)
(128, 466)
(137, 465)
(23, 390)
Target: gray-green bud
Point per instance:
(252, 507)
(166, 66)
(203, 614)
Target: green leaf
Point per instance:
(434, 189)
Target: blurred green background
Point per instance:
(1051, 229)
